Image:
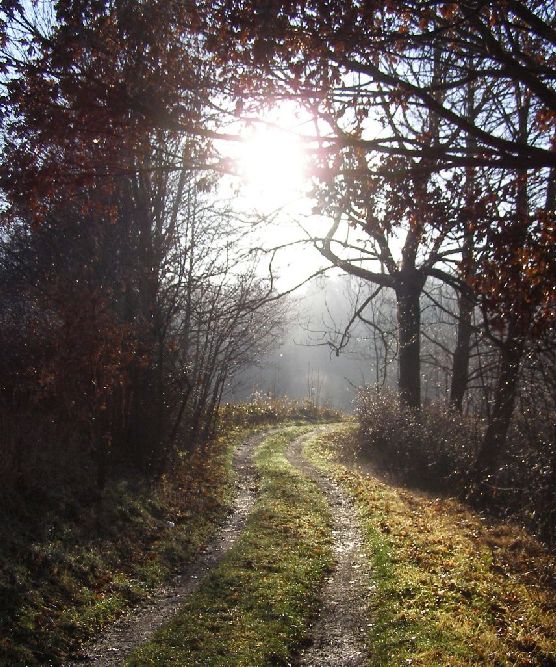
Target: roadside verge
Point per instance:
(450, 589)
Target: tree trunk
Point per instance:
(499, 423)
(460, 361)
(408, 292)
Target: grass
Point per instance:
(255, 607)
(449, 588)
(274, 410)
(66, 570)
(70, 566)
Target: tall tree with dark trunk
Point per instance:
(466, 299)
(515, 285)
(409, 220)
(388, 85)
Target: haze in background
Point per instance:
(304, 366)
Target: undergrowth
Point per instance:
(449, 589)
(255, 606)
(68, 569)
(262, 409)
(435, 449)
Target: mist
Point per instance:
(307, 364)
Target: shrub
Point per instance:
(433, 448)
(263, 409)
(525, 484)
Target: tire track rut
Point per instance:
(137, 626)
(338, 633)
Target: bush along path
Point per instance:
(339, 632)
(138, 626)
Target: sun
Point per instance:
(270, 181)
(272, 164)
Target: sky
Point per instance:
(273, 186)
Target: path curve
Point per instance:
(338, 634)
(137, 626)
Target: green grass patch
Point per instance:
(449, 588)
(66, 571)
(254, 608)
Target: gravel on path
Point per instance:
(338, 633)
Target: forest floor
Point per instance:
(327, 564)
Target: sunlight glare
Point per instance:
(271, 185)
(273, 166)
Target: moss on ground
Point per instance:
(448, 588)
(254, 608)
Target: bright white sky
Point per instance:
(273, 183)
(274, 180)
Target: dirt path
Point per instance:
(338, 633)
(137, 627)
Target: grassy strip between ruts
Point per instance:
(254, 608)
(449, 589)
(66, 572)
